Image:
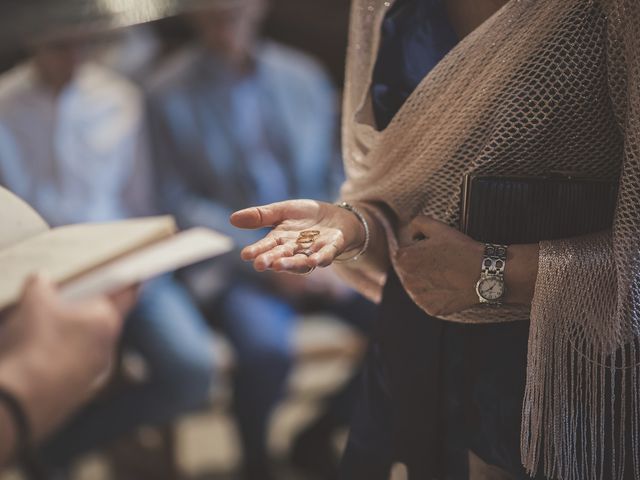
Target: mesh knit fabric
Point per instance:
(543, 86)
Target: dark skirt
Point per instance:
(434, 391)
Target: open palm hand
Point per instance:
(339, 231)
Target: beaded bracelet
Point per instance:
(367, 232)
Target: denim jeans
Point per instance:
(260, 325)
(172, 336)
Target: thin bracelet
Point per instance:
(19, 419)
(23, 451)
(367, 232)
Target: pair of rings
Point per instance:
(304, 242)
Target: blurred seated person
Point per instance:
(236, 120)
(36, 393)
(72, 144)
(132, 52)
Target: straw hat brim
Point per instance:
(26, 21)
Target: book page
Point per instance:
(164, 256)
(18, 221)
(67, 252)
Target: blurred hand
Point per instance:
(340, 233)
(52, 352)
(125, 300)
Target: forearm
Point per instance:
(46, 401)
(367, 275)
(521, 273)
(377, 255)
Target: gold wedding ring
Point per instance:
(305, 241)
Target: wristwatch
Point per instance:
(490, 288)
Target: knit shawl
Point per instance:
(542, 86)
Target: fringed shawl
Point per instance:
(542, 86)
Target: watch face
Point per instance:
(491, 288)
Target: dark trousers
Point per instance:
(433, 391)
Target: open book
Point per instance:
(91, 259)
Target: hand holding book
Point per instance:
(93, 259)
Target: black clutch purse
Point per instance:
(512, 210)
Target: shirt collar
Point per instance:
(214, 66)
(35, 84)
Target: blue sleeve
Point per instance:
(177, 196)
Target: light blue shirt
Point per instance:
(267, 177)
(224, 142)
(80, 156)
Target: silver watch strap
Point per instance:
(495, 259)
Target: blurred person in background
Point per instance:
(73, 145)
(133, 52)
(234, 120)
(36, 393)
